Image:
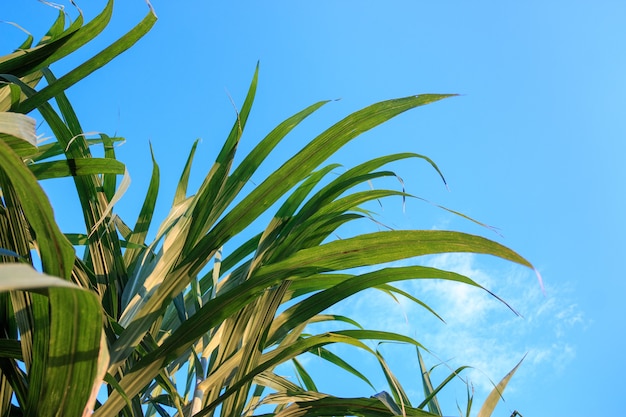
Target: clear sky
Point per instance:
(534, 145)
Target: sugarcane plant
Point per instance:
(102, 321)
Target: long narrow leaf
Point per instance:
(298, 167)
(496, 394)
(429, 391)
(71, 368)
(382, 247)
(351, 337)
(76, 167)
(333, 406)
(57, 254)
(91, 65)
(146, 213)
(320, 301)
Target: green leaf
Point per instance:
(430, 392)
(67, 111)
(253, 160)
(57, 254)
(494, 396)
(284, 353)
(74, 353)
(25, 61)
(51, 150)
(207, 207)
(303, 375)
(389, 402)
(144, 219)
(318, 302)
(382, 247)
(391, 289)
(401, 399)
(10, 348)
(98, 61)
(18, 131)
(339, 362)
(72, 372)
(335, 406)
(183, 182)
(300, 166)
(56, 29)
(76, 167)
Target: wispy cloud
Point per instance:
(480, 331)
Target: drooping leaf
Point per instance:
(18, 131)
(57, 254)
(91, 65)
(68, 370)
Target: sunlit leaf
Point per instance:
(18, 131)
(71, 368)
(496, 394)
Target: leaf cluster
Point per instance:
(134, 315)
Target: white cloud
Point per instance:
(480, 331)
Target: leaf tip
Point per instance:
(540, 279)
(151, 9)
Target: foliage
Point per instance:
(134, 314)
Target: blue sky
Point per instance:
(533, 145)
